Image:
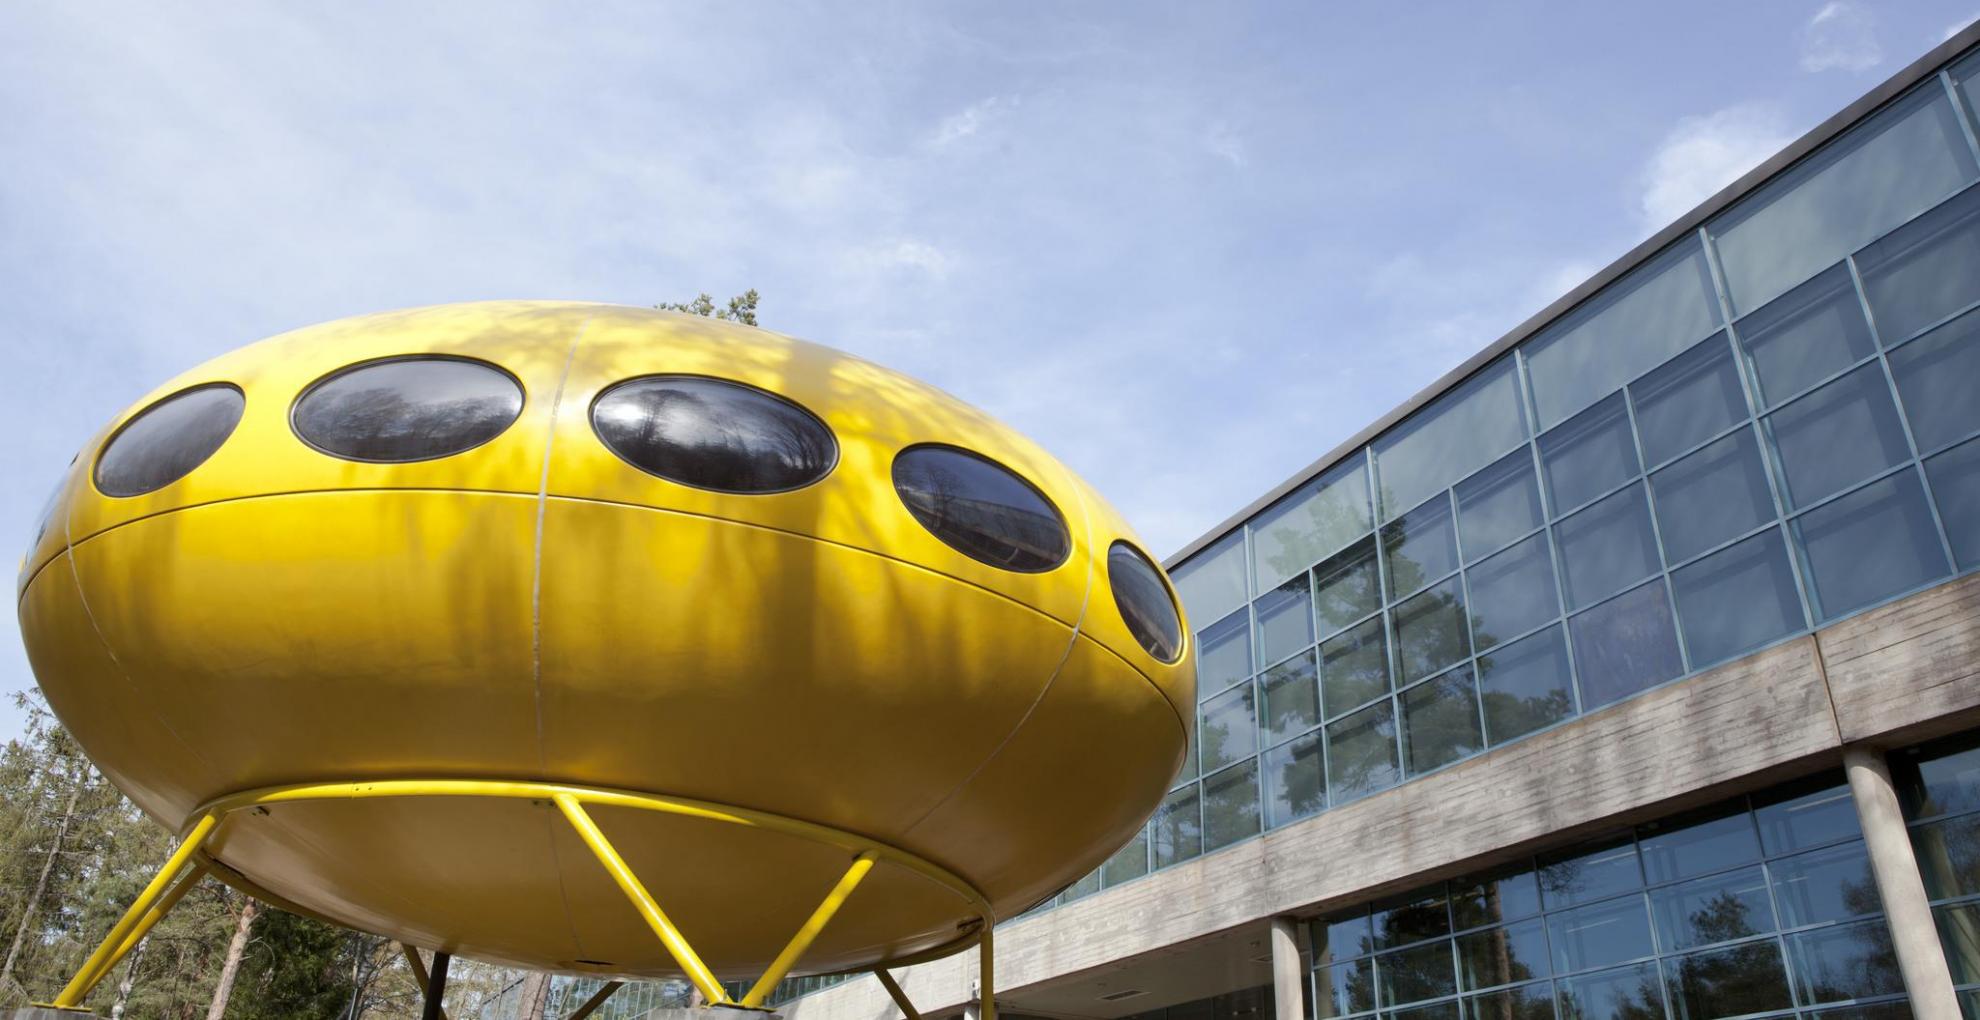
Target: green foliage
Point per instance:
(69, 835)
(742, 307)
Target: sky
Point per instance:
(1186, 247)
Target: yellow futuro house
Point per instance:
(411, 621)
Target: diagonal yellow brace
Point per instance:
(809, 932)
(145, 924)
(899, 996)
(418, 968)
(591, 1005)
(114, 943)
(670, 936)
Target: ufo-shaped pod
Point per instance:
(457, 543)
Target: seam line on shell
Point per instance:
(1072, 641)
(136, 693)
(536, 609)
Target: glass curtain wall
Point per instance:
(1940, 787)
(1766, 427)
(1762, 907)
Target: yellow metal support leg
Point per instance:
(670, 936)
(987, 981)
(145, 924)
(809, 932)
(894, 990)
(114, 943)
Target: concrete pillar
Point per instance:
(1288, 976)
(1920, 957)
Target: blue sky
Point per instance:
(1187, 247)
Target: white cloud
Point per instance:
(1224, 143)
(1841, 36)
(1958, 26)
(967, 121)
(905, 253)
(1706, 153)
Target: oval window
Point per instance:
(981, 509)
(407, 409)
(1144, 602)
(713, 434)
(168, 439)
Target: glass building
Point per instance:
(1633, 671)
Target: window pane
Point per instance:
(1737, 599)
(1599, 934)
(1212, 582)
(1513, 592)
(1625, 645)
(1683, 847)
(1590, 874)
(1430, 631)
(1806, 335)
(1607, 547)
(1589, 455)
(1688, 401)
(1949, 856)
(1942, 782)
(1501, 956)
(1456, 434)
(1926, 270)
(1822, 815)
(1420, 548)
(1852, 961)
(1729, 982)
(1318, 518)
(1285, 620)
(1959, 933)
(1354, 667)
(1440, 721)
(1716, 909)
(1229, 730)
(1230, 806)
(1838, 435)
(1411, 975)
(1497, 505)
(423, 407)
(1292, 698)
(1223, 653)
(1626, 993)
(1897, 164)
(1831, 884)
(1525, 686)
(1346, 988)
(1361, 753)
(1937, 375)
(1712, 495)
(974, 505)
(1411, 918)
(1504, 896)
(1634, 323)
(1086, 886)
(1531, 1002)
(1343, 937)
(1870, 544)
(1177, 833)
(1955, 478)
(1347, 587)
(1294, 787)
(1129, 862)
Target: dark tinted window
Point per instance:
(407, 409)
(714, 434)
(981, 509)
(1144, 602)
(168, 439)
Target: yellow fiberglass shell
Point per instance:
(537, 608)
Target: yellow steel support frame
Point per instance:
(185, 868)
